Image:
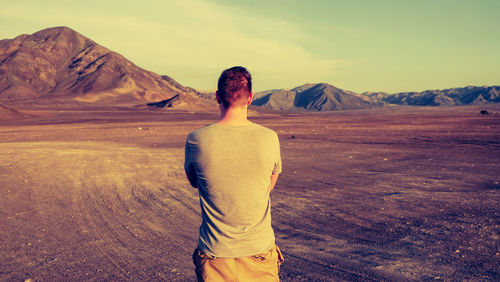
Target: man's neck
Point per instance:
(234, 116)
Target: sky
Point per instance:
(357, 45)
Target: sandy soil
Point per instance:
(388, 194)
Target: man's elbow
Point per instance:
(192, 179)
(274, 179)
(193, 183)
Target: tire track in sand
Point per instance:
(131, 228)
(108, 227)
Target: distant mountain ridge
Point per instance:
(325, 97)
(470, 95)
(60, 62)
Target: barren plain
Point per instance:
(390, 194)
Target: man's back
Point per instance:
(233, 165)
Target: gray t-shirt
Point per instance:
(233, 166)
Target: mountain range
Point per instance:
(60, 65)
(470, 95)
(325, 97)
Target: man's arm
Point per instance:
(274, 178)
(191, 176)
(189, 168)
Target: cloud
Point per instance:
(185, 37)
(217, 36)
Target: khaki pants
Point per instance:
(261, 267)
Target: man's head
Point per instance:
(235, 87)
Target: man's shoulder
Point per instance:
(215, 129)
(200, 131)
(265, 130)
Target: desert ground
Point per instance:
(390, 194)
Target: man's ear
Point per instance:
(217, 97)
(250, 98)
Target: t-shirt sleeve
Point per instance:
(277, 162)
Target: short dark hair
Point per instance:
(235, 86)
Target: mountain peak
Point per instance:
(61, 40)
(60, 62)
(313, 97)
(56, 31)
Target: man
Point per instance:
(235, 164)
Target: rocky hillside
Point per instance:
(313, 97)
(7, 113)
(186, 102)
(60, 62)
